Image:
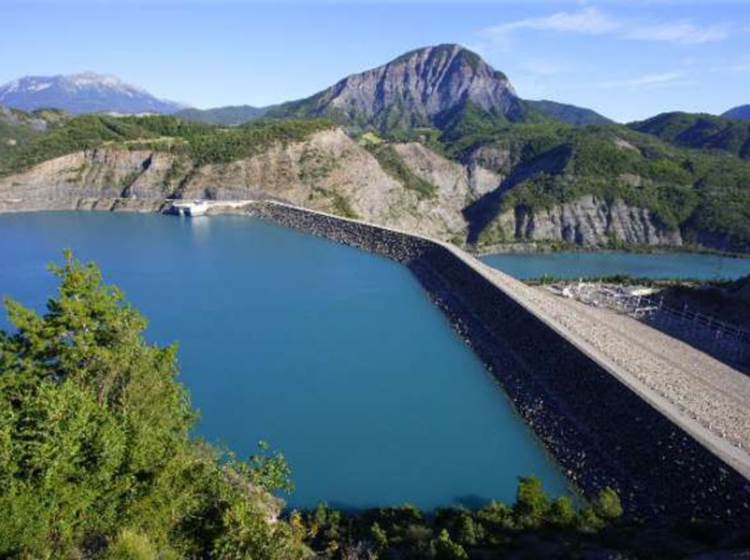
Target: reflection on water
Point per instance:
(200, 226)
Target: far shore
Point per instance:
(161, 206)
(534, 247)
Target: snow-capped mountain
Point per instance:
(82, 93)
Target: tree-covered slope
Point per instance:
(700, 131)
(18, 127)
(230, 115)
(570, 114)
(201, 142)
(741, 112)
(545, 165)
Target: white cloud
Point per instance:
(678, 32)
(592, 21)
(588, 20)
(648, 81)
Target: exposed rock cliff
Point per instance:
(588, 221)
(331, 172)
(328, 171)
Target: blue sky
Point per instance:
(628, 60)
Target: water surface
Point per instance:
(608, 263)
(334, 356)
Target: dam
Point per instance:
(615, 402)
(618, 403)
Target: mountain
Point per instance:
(570, 114)
(432, 87)
(700, 131)
(436, 141)
(230, 115)
(538, 182)
(742, 112)
(82, 93)
(421, 88)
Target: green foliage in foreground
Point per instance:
(96, 458)
(452, 533)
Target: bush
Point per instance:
(446, 549)
(131, 545)
(531, 503)
(562, 513)
(607, 505)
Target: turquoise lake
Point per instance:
(666, 265)
(334, 356)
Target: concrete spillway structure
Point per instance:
(671, 448)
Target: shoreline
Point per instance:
(537, 248)
(12, 206)
(563, 391)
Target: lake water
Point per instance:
(334, 356)
(609, 263)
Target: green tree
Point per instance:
(607, 505)
(561, 512)
(379, 537)
(446, 549)
(470, 533)
(96, 451)
(531, 502)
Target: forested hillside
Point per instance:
(700, 131)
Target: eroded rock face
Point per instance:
(330, 172)
(588, 221)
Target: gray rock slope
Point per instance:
(415, 89)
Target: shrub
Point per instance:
(531, 503)
(607, 505)
(446, 549)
